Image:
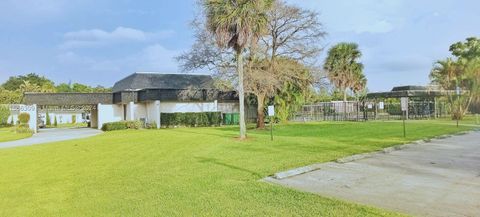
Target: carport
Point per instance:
(86, 102)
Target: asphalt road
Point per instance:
(440, 178)
(52, 135)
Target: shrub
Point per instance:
(152, 125)
(74, 119)
(23, 128)
(191, 119)
(121, 125)
(133, 125)
(55, 123)
(4, 114)
(24, 118)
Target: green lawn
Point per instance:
(188, 172)
(7, 134)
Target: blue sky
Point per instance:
(100, 41)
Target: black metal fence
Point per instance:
(365, 110)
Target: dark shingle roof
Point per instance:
(141, 81)
(409, 87)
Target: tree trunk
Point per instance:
(241, 95)
(261, 111)
(345, 104)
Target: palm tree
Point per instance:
(237, 24)
(343, 68)
(444, 73)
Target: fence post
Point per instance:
(358, 109)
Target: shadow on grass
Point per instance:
(217, 162)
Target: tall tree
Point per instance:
(237, 24)
(10, 97)
(344, 69)
(291, 41)
(14, 82)
(293, 34)
(462, 71)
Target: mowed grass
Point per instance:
(189, 172)
(8, 134)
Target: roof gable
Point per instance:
(141, 81)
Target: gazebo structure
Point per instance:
(423, 102)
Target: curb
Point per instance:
(318, 166)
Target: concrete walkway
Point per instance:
(52, 135)
(441, 178)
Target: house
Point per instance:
(142, 96)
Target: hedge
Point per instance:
(121, 125)
(191, 119)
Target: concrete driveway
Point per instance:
(440, 178)
(52, 135)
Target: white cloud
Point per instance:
(99, 37)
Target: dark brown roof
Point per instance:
(142, 81)
(68, 98)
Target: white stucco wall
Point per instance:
(136, 111)
(171, 107)
(152, 111)
(109, 113)
(229, 107)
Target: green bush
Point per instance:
(74, 119)
(151, 125)
(23, 128)
(4, 114)
(24, 118)
(121, 125)
(55, 123)
(135, 125)
(191, 119)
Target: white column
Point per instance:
(215, 105)
(131, 112)
(96, 117)
(157, 112)
(34, 118)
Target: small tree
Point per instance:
(55, 123)
(24, 118)
(74, 119)
(47, 119)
